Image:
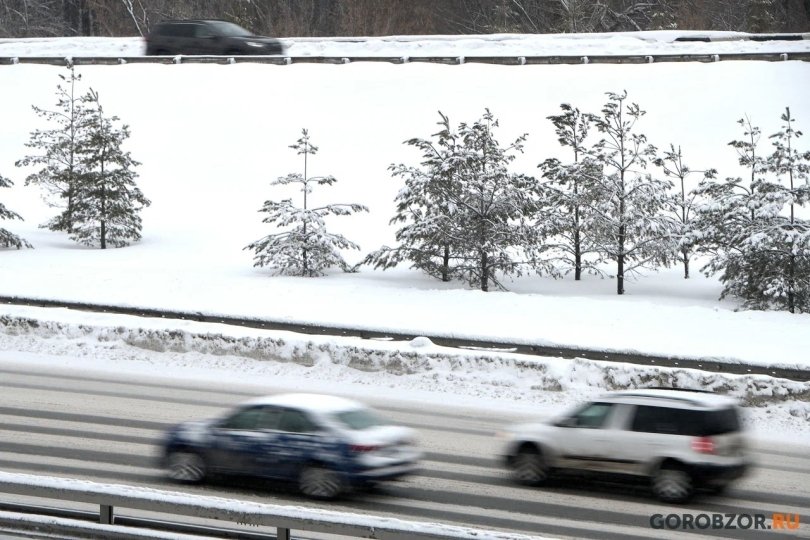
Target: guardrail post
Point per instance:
(106, 516)
(282, 533)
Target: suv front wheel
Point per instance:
(672, 483)
(529, 466)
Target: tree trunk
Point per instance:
(791, 297)
(620, 262)
(685, 254)
(484, 272)
(446, 264)
(577, 255)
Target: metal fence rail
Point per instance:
(284, 519)
(447, 60)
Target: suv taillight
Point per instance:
(363, 448)
(703, 445)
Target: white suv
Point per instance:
(681, 440)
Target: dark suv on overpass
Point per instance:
(207, 38)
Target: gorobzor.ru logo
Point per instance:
(684, 522)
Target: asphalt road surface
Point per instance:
(94, 426)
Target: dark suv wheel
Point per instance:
(672, 483)
(529, 466)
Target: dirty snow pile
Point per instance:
(417, 370)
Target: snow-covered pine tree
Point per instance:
(7, 238)
(106, 199)
(629, 219)
(494, 207)
(673, 166)
(304, 247)
(60, 165)
(425, 238)
(568, 192)
(728, 218)
(784, 241)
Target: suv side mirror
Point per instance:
(566, 422)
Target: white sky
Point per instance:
(211, 137)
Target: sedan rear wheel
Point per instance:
(187, 467)
(320, 483)
(672, 484)
(529, 467)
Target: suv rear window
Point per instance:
(649, 419)
(719, 422)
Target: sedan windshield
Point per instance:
(231, 30)
(359, 419)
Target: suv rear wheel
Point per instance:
(529, 466)
(672, 483)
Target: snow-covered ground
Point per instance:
(211, 137)
(618, 43)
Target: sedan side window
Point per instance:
(296, 422)
(245, 419)
(593, 415)
(269, 418)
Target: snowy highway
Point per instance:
(87, 395)
(96, 426)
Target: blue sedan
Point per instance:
(326, 444)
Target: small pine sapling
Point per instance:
(424, 211)
(568, 192)
(304, 246)
(631, 226)
(57, 155)
(107, 200)
(673, 166)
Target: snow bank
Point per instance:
(416, 364)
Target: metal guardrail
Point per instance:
(533, 349)
(284, 519)
(448, 60)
